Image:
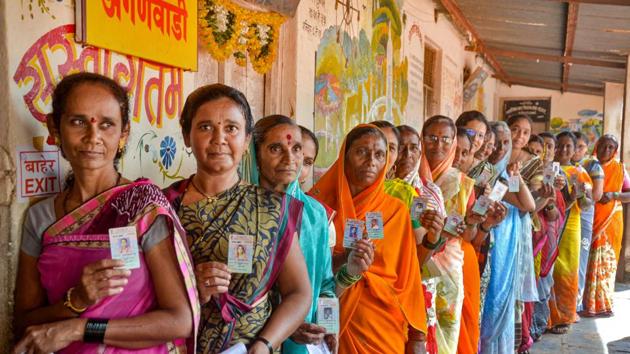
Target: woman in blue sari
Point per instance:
(497, 323)
(276, 162)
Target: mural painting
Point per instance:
(360, 78)
(588, 121)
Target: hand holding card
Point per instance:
(123, 244)
(240, 253)
(353, 232)
(328, 314)
(452, 224)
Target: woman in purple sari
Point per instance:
(73, 294)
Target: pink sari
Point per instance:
(81, 237)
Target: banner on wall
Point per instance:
(164, 31)
(536, 108)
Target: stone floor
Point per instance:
(594, 335)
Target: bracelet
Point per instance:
(95, 330)
(615, 195)
(431, 246)
(68, 303)
(487, 231)
(265, 342)
(467, 224)
(344, 278)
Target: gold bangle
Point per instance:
(68, 303)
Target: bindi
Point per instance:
(289, 138)
(92, 120)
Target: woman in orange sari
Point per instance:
(378, 310)
(607, 230)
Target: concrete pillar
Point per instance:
(623, 271)
(613, 107)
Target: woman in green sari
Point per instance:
(217, 209)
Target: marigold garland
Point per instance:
(227, 29)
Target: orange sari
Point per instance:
(377, 311)
(606, 245)
(563, 302)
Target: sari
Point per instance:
(606, 246)
(377, 311)
(595, 171)
(403, 191)
(498, 316)
(433, 194)
(81, 237)
(545, 241)
(456, 288)
(272, 219)
(314, 242)
(563, 302)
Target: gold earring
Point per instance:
(121, 147)
(57, 141)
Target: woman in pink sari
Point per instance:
(72, 296)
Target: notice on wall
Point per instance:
(538, 109)
(39, 173)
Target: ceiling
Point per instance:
(567, 45)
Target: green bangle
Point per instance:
(615, 195)
(431, 246)
(344, 278)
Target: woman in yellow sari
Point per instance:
(563, 302)
(607, 230)
(378, 310)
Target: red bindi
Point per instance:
(289, 137)
(92, 120)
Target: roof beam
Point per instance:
(572, 18)
(460, 20)
(517, 80)
(598, 2)
(555, 58)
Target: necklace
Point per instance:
(210, 197)
(65, 197)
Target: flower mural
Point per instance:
(168, 148)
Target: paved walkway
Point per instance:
(594, 335)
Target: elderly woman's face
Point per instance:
(438, 139)
(365, 159)
(218, 136)
(410, 152)
(502, 143)
(606, 150)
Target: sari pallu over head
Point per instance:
(273, 219)
(81, 237)
(313, 242)
(389, 296)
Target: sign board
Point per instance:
(536, 108)
(163, 31)
(39, 173)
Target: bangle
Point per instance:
(431, 246)
(487, 231)
(265, 342)
(95, 330)
(68, 303)
(344, 278)
(615, 195)
(550, 207)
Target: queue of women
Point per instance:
(489, 236)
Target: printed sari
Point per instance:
(433, 194)
(595, 171)
(272, 219)
(606, 246)
(378, 310)
(563, 302)
(81, 237)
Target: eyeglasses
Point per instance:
(473, 133)
(432, 139)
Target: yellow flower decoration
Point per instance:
(227, 29)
